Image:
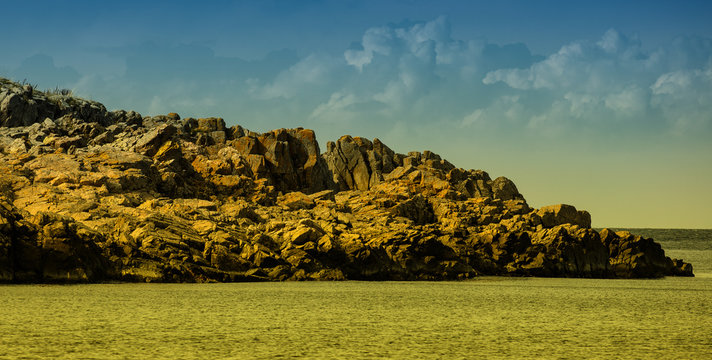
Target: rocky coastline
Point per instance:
(90, 195)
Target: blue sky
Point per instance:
(603, 105)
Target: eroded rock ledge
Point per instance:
(92, 195)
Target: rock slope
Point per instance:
(92, 195)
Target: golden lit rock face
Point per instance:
(563, 214)
(90, 195)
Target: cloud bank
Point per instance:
(415, 74)
(613, 84)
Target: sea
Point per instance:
(483, 318)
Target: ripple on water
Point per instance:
(490, 317)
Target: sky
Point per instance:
(604, 105)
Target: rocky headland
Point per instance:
(90, 195)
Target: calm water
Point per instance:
(483, 318)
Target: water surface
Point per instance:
(483, 318)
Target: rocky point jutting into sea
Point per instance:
(90, 195)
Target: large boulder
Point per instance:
(356, 163)
(151, 142)
(554, 215)
(633, 256)
(288, 158)
(568, 250)
(504, 189)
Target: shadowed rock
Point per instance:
(563, 214)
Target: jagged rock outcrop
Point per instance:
(91, 195)
(288, 158)
(358, 163)
(633, 256)
(563, 214)
(22, 105)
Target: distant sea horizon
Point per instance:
(646, 228)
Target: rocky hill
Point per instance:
(91, 195)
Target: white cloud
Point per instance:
(314, 70)
(476, 117)
(515, 78)
(631, 101)
(336, 109)
(561, 70)
(673, 83)
(374, 41)
(613, 42)
(505, 111)
(581, 104)
(612, 82)
(429, 41)
(685, 99)
(598, 66)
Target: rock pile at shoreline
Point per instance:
(91, 195)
